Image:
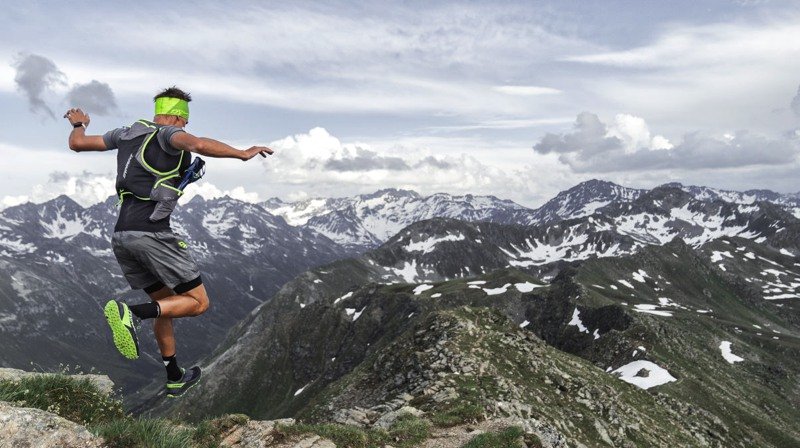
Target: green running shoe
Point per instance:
(120, 320)
(189, 379)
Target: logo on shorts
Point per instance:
(182, 244)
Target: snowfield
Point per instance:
(429, 245)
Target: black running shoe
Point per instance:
(190, 378)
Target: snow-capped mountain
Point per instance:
(443, 249)
(707, 326)
(790, 202)
(366, 221)
(58, 271)
(583, 200)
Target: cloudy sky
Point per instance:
(515, 99)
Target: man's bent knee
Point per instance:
(199, 295)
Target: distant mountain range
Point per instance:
(58, 269)
(679, 310)
(366, 221)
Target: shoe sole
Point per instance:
(123, 339)
(169, 395)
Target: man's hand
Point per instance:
(77, 116)
(78, 140)
(251, 152)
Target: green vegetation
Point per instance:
(508, 438)
(82, 402)
(341, 435)
(458, 414)
(209, 432)
(141, 433)
(469, 408)
(407, 432)
(146, 433)
(77, 400)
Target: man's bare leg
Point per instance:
(162, 326)
(171, 305)
(191, 303)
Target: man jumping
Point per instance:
(152, 158)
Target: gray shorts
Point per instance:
(152, 260)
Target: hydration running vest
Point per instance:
(147, 172)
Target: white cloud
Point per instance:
(321, 59)
(10, 201)
(85, 188)
(626, 145)
(720, 75)
(635, 134)
(526, 90)
(300, 161)
(519, 123)
(708, 45)
(207, 190)
(316, 163)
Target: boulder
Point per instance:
(254, 434)
(387, 420)
(314, 442)
(28, 427)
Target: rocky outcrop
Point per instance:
(254, 434)
(28, 427)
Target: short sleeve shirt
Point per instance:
(134, 213)
(113, 137)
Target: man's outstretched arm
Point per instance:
(213, 148)
(78, 140)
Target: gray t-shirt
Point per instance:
(112, 138)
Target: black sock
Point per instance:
(173, 371)
(147, 310)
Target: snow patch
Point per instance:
(427, 246)
(639, 276)
(576, 321)
(644, 374)
(408, 272)
(344, 297)
(300, 391)
(651, 309)
(526, 286)
(496, 291)
(422, 288)
(626, 283)
(725, 348)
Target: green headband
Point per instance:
(172, 106)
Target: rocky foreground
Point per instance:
(25, 426)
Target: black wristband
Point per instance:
(77, 125)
